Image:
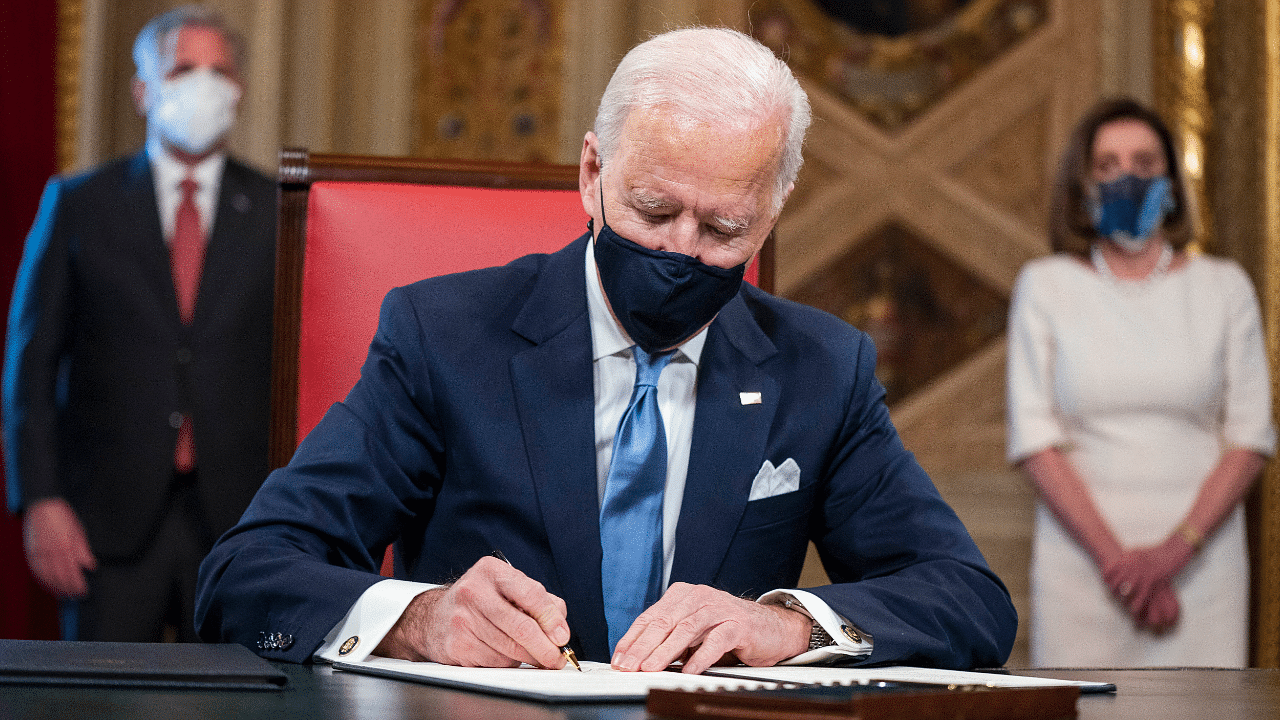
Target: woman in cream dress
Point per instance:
(1139, 406)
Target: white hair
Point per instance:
(155, 40)
(714, 75)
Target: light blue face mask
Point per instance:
(1129, 209)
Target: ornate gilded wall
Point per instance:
(1219, 86)
(488, 79)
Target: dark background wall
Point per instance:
(27, 158)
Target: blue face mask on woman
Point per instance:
(1129, 209)
(661, 298)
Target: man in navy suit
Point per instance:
(485, 419)
(136, 394)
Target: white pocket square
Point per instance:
(772, 480)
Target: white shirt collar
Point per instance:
(607, 336)
(169, 171)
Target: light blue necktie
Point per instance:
(631, 515)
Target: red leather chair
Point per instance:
(353, 227)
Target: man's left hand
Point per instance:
(712, 623)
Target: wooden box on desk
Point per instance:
(864, 703)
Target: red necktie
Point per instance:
(186, 256)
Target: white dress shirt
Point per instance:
(613, 371)
(167, 173)
(613, 374)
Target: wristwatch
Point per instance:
(818, 635)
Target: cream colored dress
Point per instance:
(1143, 385)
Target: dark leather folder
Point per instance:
(172, 665)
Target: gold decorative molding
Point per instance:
(1230, 142)
(67, 73)
(1182, 29)
(489, 79)
(892, 80)
(1266, 616)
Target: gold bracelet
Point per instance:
(1191, 535)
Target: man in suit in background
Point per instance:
(649, 441)
(137, 365)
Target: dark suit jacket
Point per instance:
(97, 361)
(471, 429)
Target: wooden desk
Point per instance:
(319, 692)
(1167, 694)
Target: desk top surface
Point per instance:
(318, 692)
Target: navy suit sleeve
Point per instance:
(903, 566)
(312, 539)
(38, 317)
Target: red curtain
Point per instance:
(28, 32)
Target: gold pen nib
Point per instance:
(568, 655)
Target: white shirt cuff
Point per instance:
(834, 624)
(369, 620)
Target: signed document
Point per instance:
(600, 683)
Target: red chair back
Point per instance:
(365, 238)
(354, 227)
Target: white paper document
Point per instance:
(600, 683)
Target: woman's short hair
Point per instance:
(149, 49)
(717, 75)
(1070, 226)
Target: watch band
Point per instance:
(818, 635)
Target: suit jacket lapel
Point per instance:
(729, 442)
(555, 400)
(223, 252)
(142, 212)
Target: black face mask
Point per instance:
(661, 298)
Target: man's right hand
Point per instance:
(57, 550)
(493, 616)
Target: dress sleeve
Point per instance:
(1246, 421)
(1032, 424)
